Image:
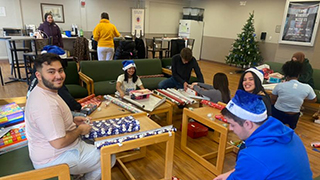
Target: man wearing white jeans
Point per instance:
(104, 33)
(105, 53)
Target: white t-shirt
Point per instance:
(126, 87)
(291, 95)
(47, 118)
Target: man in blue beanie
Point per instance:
(272, 150)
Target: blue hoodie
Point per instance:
(273, 151)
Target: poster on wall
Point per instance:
(300, 22)
(137, 22)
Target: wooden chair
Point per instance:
(1, 78)
(154, 45)
(61, 171)
(15, 65)
(190, 43)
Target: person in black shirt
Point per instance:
(182, 65)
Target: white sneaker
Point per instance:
(317, 121)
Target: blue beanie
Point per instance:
(128, 64)
(53, 49)
(248, 106)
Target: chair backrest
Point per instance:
(61, 171)
(157, 43)
(149, 43)
(39, 44)
(176, 46)
(190, 43)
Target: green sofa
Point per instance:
(73, 81)
(104, 74)
(276, 67)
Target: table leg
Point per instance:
(16, 58)
(105, 165)
(169, 158)
(184, 131)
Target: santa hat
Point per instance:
(247, 106)
(128, 64)
(259, 73)
(55, 50)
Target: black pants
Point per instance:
(290, 119)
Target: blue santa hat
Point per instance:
(55, 50)
(248, 106)
(258, 72)
(128, 64)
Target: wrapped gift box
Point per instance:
(196, 130)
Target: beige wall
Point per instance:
(161, 16)
(224, 19)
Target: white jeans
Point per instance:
(82, 159)
(105, 53)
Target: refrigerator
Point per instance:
(192, 29)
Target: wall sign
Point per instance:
(137, 22)
(300, 22)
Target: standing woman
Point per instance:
(104, 33)
(306, 75)
(51, 29)
(251, 81)
(218, 92)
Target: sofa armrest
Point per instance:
(89, 82)
(166, 71)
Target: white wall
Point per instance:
(12, 20)
(226, 18)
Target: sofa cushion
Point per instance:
(77, 91)
(148, 66)
(102, 70)
(275, 66)
(105, 87)
(316, 79)
(152, 83)
(72, 76)
(318, 94)
(166, 62)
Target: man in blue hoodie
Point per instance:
(272, 150)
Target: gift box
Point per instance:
(140, 94)
(274, 80)
(196, 130)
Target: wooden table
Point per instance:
(220, 136)
(166, 107)
(145, 125)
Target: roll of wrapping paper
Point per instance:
(134, 102)
(172, 97)
(175, 96)
(212, 104)
(172, 93)
(192, 101)
(122, 104)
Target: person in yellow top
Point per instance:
(104, 33)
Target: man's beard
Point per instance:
(49, 85)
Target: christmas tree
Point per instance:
(245, 51)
